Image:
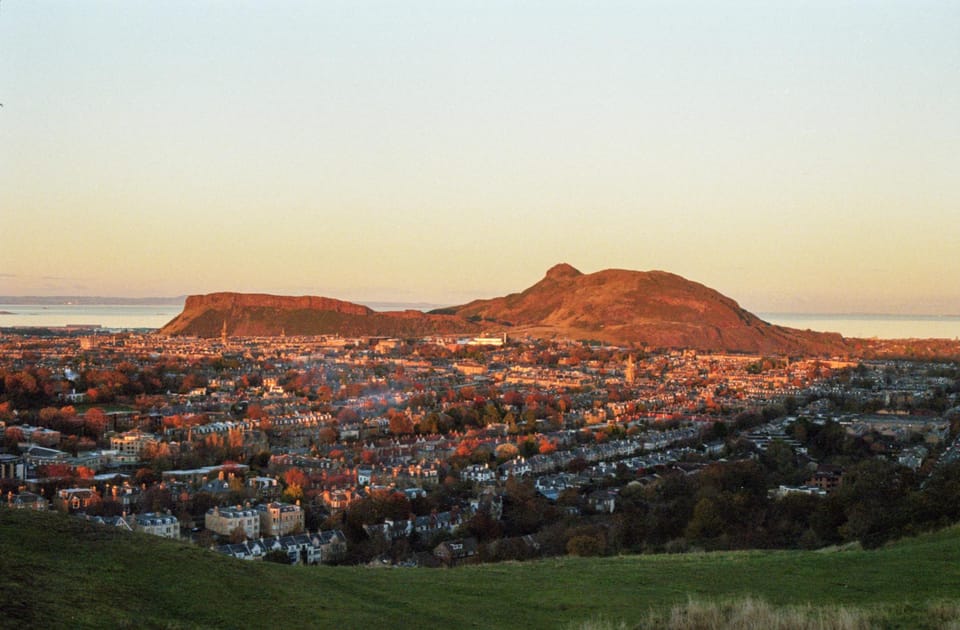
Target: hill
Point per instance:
(61, 572)
(252, 315)
(653, 308)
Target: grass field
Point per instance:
(61, 572)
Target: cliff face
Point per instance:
(249, 314)
(228, 301)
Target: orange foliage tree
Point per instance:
(95, 422)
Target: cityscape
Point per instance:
(599, 316)
(328, 449)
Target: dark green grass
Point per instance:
(60, 572)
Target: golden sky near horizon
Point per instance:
(794, 156)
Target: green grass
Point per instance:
(60, 572)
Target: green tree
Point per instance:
(278, 556)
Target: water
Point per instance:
(155, 316)
(867, 326)
(106, 315)
(116, 316)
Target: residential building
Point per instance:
(225, 520)
(75, 499)
(164, 525)
(453, 552)
(27, 501)
(130, 445)
(278, 519)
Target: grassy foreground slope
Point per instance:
(61, 572)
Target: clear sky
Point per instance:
(796, 156)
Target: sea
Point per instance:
(110, 316)
(126, 317)
(869, 326)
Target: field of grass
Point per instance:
(61, 572)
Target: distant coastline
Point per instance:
(871, 325)
(89, 300)
(890, 316)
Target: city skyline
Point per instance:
(794, 158)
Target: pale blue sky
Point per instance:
(796, 156)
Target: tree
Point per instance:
(295, 476)
(84, 473)
(483, 527)
(707, 520)
(49, 417)
(528, 447)
(873, 492)
(278, 556)
(545, 447)
(505, 451)
(781, 462)
(671, 507)
(491, 415)
(400, 423)
(12, 436)
(95, 422)
(56, 470)
(296, 481)
(238, 535)
(586, 545)
(327, 435)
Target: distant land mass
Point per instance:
(89, 300)
(647, 308)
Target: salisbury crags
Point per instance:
(253, 315)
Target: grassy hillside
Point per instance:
(60, 572)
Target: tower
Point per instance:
(630, 370)
(223, 333)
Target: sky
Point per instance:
(795, 156)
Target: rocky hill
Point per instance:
(653, 308)
(251, 315)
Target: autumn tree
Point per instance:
(12, 436)
(64, 471)
(327, 435)
(82, 473)
(95, 422)
(49, 417)
(296, 481)
(400, 423)
(506, 451)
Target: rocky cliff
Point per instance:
(249, 315)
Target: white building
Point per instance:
(165, 525)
